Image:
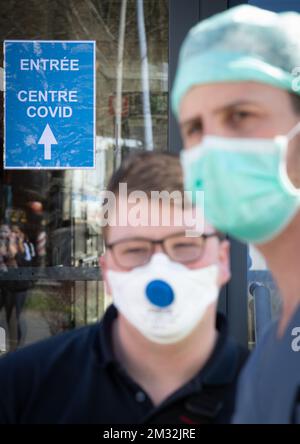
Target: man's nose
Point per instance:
(158, 248)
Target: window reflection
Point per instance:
(259, 275)
(49, 220)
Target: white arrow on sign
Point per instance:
(47, 139)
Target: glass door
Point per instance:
(50, 239)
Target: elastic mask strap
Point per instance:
(283, 164)
(293, 132)
(193, 153)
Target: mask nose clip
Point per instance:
(160, 293)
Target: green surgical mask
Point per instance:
(247, 191)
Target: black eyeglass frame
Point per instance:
(161, 242)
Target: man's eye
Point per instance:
(243, 114)
(194, 129)
(135, 251)
(239, 116)
(183, 245)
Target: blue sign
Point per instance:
(49, 104)
(277, 5)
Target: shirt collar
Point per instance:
(219, 368)
(107, 356)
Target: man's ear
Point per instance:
(103, 266)
(224, 263)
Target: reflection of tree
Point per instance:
(96, 20)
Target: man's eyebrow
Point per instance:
(191, 121)
(221, 109)
(234, 104)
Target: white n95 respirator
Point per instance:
(164, 300)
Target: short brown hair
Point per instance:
(148, 171)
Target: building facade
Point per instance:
(54, 215)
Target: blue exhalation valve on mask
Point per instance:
(160, 293)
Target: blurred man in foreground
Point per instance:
(236, 96)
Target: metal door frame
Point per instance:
(234, 297)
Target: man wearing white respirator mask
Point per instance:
(165, 287)
(158, 355)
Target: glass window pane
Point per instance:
(49, 220)
(47, 308)
(264, 296)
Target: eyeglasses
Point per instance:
(135, 252)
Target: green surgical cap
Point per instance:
(244, 43)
